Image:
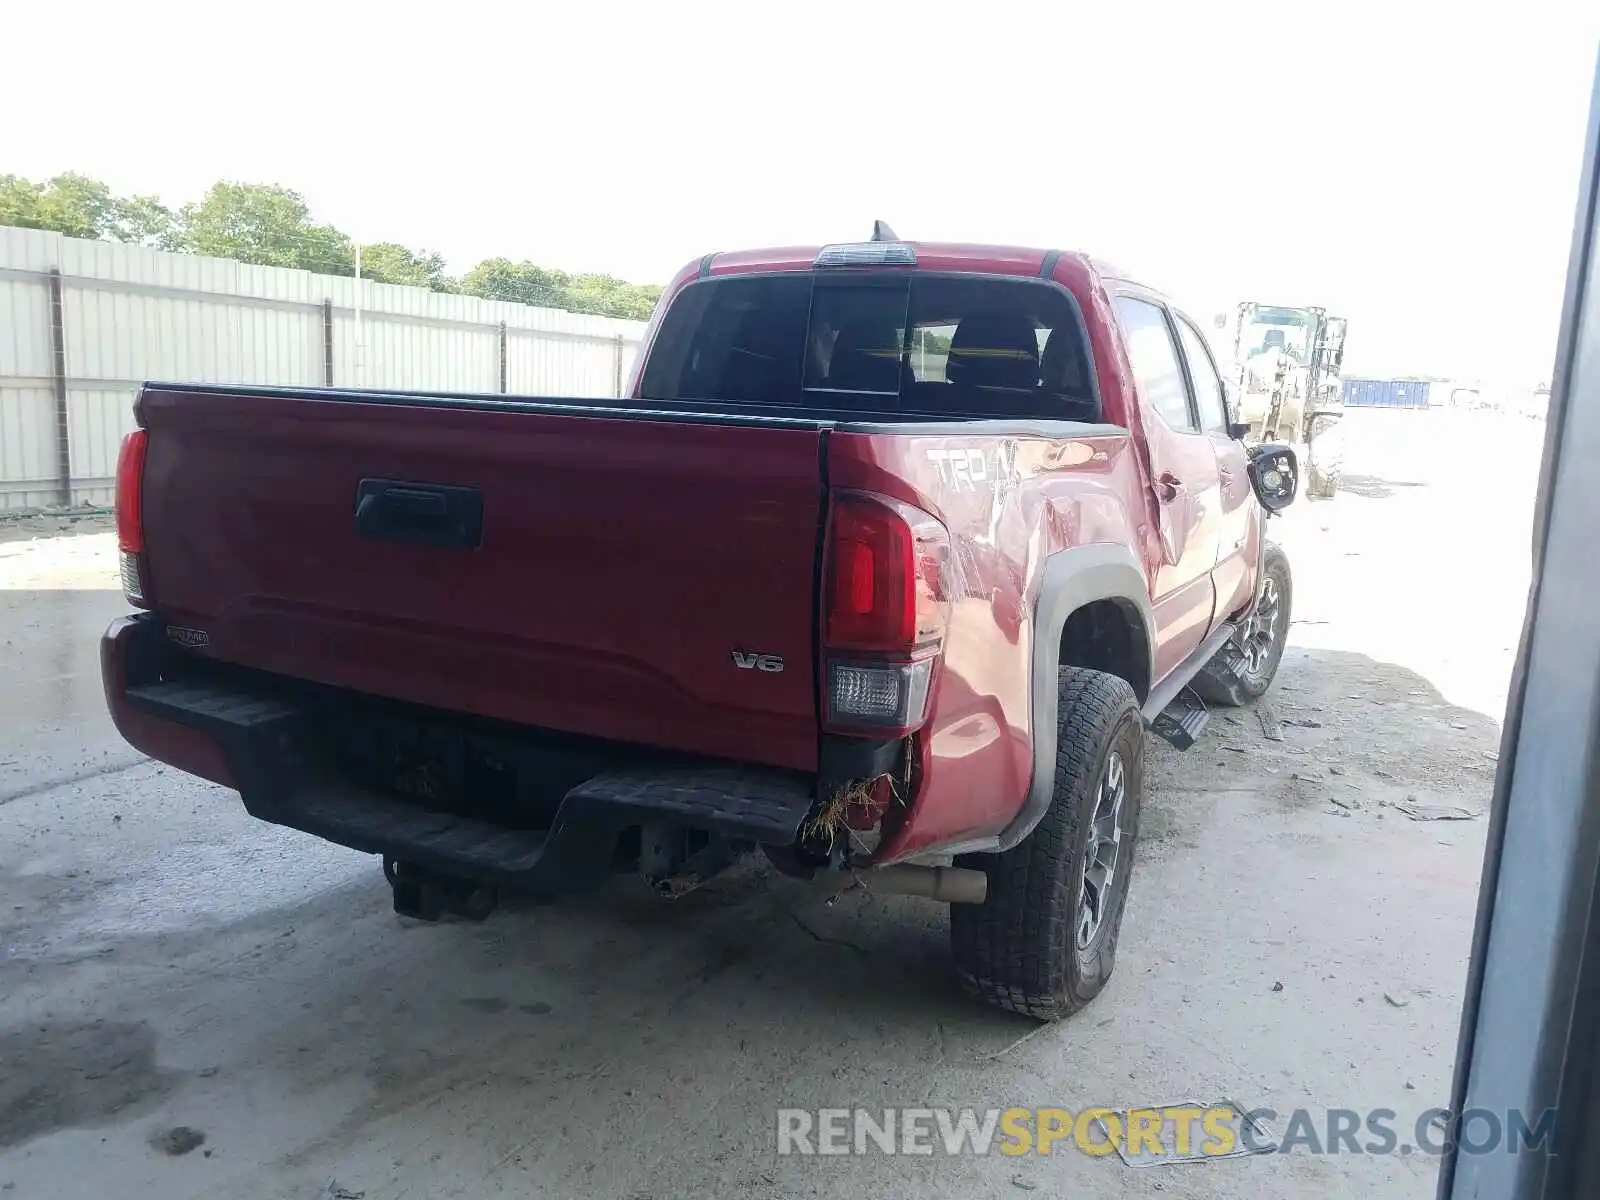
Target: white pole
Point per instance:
(359, 373)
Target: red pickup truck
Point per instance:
(881, 568)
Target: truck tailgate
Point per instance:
(647, 580)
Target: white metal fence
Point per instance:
(83, 323)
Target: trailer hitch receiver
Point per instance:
(426, 895)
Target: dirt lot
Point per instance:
(1293, 939)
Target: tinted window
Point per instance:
(890, 343)
(1208, 395)
(733, 338)
(1155, 361)
(854, 341)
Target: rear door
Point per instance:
(1183, 467)
(1235, 550)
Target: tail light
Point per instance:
(130, 514)
(886, 602)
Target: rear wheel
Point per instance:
(1244, 668)
(1044, 942)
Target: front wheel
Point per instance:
(1244, 668)
(1044, 942)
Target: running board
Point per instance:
(1181, 721)
(1165, 692)
(1175, 713)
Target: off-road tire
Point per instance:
(1217, 681)
(1019, 949)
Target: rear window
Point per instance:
(891, 343)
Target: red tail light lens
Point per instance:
(886, 603)
(130, 491)
(130, 515)
(885, 587)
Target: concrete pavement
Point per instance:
(167, 963)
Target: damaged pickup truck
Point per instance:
(882, 568)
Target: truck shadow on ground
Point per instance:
(1339, 734)
(1342, 723)
(621, 994)
(1372, 487)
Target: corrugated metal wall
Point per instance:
(129, 314)
(1385, 393)
(27, 377)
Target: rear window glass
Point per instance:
(890, 343)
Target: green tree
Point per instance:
(526, 283)
(70, 203)
(145, 221)
(608, 296)
(390, 262)
(648, 295)
(266, 225)
(520, 283)
(19, 202)
(78, 206)
(272, 226)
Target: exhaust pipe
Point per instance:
(951, 885)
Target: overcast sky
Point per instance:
(1395, 163)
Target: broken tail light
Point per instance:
(130, 514)
(886, 603)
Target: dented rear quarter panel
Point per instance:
(1036, 495)
(1010, 502)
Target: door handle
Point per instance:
(1168, 486)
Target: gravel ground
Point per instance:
(194, 1004)
(56, 523)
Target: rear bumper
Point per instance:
(130, 654)
(257, 743)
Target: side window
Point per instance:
(1155, 362)
(1208, 395)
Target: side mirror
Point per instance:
(1238, 430)
(1275, 475)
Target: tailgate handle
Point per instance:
(413, 502)
(425, 513)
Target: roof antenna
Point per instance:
(882, 233)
